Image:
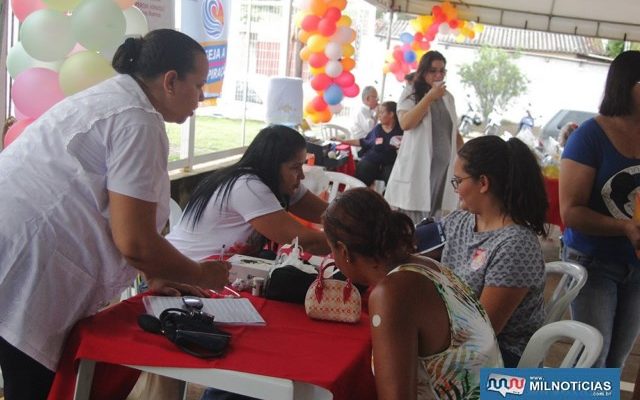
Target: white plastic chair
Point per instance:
(586, 347)
(334, 131)
(175, 213)
(574, 276)
(339, 182)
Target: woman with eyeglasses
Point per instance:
(492, 241)
(427, 115)
(599, 188)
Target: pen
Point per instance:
(221, 256)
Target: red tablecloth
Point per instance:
(335, 356)
(553, 195)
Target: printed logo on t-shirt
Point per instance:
(379, 140)
(618, 193)
(478, 259)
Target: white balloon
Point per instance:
(18, 60)
(136, 22)
(444, 28)
(342, 35)
(302, 4)
(333, 50)
(333, 68)
(335, 109)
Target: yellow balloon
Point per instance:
(348, 50)
(415, 24)
(297, 19)
(61, 5)
(316, 43)
(316, 71)
(82, 70)
(345, 20)
(478, 28)
(385, 68)
(315, 118)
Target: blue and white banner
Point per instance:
(207, 22)
(549, 383)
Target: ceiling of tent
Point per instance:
(609, 19)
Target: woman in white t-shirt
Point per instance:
(85, 194)
(238, 208)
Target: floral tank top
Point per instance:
(455, 372)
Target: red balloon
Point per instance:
(345, 79)
(351, 91)
(15, 130)
(418, 37)
(321, 82)
(319, 104)
(395, 67)
(327, 27)
(453, 24)
(333, 14)
(317, 60)
(310, 22)
(398, 55)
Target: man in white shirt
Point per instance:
(365, 119)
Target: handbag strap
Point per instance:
(346, 292)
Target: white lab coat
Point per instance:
(409, 183)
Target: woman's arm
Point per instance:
(133, 228)
(410, 119)
(280, 227)
(395, 343)
(500, 303)
(576, 182)
(310, 207)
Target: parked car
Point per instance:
(553, 126)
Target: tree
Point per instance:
(495, 79)
(615, 47)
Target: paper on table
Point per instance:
(225, 311)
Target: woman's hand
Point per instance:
(215, 274)
(169, 288)
(437, 91)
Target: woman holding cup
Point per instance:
(427, 114)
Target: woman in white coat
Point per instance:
(417, 185)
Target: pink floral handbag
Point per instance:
(332, 299)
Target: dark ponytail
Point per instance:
(515, 178)
(157, 52)
(362, 220)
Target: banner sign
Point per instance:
(159, 13)
(549, 383)
(207, 22)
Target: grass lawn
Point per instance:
(213, 134)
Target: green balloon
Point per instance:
(83, 70)
(19, 60)
(61, 5)
(98, 24)
(46, 35)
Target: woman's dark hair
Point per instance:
(157, 52)
(391, 106)
(623, 75)
(420, 85)
(362, 220)
(515, 178)
(273, 146)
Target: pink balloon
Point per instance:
(345, 79)
(321, 82)
(22, 8)
(317, 60)
(15, 131)
(35, 90)
(310, 23)
(327, 27)
(76, 49)
(19, 114)
(351, 91)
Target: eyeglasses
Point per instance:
(443, 71)
(455, 181)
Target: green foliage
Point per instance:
(615, 47)
(495, 79)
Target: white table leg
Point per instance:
(84, 379)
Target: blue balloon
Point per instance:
(333, 95)
(406, 37)
(409, 56)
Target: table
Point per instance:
(291, 357)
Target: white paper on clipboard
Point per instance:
(225, 311)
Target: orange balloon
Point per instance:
(385, 68)
(305, 53)
(348, 64)
(318, 7)
(325, 115)
(345, 20)
(304, 36)
(339, 4)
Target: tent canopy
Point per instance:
(608, 19)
